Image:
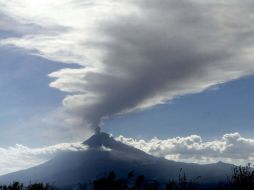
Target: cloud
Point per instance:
(19, 157)
(232, 148)
(133, 55)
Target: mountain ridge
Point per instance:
(105, 154)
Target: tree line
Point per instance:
(242, 179)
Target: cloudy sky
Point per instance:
(171, 77)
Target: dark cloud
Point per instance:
(143, 53)
(167, 49)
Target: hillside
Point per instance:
(105, 154)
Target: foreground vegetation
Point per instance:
(241, 179)
(20, 186)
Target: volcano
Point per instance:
(105, 154)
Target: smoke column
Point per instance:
(133, 55)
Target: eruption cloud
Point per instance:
(134, 55)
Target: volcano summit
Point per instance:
(104, 154)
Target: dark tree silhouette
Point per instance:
(40, 186)
(243, 178)
(20, 186)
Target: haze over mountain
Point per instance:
(104, 154)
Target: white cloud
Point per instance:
(19, 157)
(136, 54)
(232, 148)
(75, 24)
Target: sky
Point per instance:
(171, 77)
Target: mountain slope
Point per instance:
(105, 154)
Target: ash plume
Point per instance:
(134, 55)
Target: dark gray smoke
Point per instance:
(170, 48)
(147, 52)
